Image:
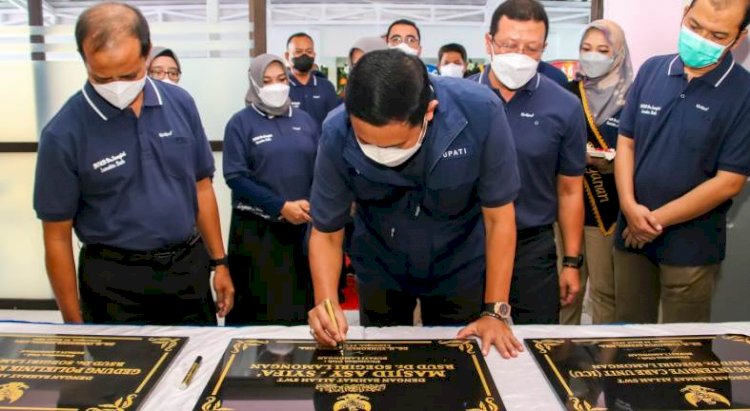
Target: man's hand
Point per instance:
(296, 212)
(570, 285)
(642, 225)
(493, 332)
(323, 329)
(224, 291)
(630, 240)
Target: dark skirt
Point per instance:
(270, 271)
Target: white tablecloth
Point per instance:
(519, 381)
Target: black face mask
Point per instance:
(303, 63)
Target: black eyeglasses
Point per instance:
(160, 74)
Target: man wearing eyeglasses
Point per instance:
(404, 35)
(163, 65)
(550, 135)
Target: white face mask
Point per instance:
(452, 70)
(120, 93)
(406, 49)
(595, 65)
(274, 95)
(514, 70)
(392, 156)
(168, 81)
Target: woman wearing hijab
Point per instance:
(602, 84)
(163, 65)
(269, 156)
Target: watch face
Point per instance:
(503, 310)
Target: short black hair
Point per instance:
(295, 35)
(404, 22)
(104, 21)
(520, 10)
(745, 18)
(387, 86)
(452, 47)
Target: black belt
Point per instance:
(163, 256)
(533, 231)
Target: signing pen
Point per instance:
(191, 372)
(332, 317)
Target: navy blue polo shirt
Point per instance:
(428, 226)
(553, 73)
(549, 131)
(125, 181)
(684, 132)
(271, 159)
(317, 97)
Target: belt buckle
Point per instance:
(162, 258)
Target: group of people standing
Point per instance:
(451, 187)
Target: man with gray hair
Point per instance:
(126, 164)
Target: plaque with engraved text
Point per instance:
(364, 376)
(704, 372)
(65, 372)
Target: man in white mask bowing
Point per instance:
(431, 165)
(126, 164)
(550, 137)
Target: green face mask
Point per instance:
(697, 52)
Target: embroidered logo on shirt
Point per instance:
(650, 110)
(527, 115)
(456, 153)
(110, 163)
(316, 96)
(701, 107)
(613, 122)
(166, 134)
(263, 138)
(295, 104)
(297, 128)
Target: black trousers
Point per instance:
(449, 300)
(115, 290)
(270, 271)
(534, 287)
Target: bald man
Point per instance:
(126, 164)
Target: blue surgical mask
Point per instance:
(697, 52)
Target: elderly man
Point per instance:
(126, 164)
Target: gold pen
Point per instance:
(191, 372)
(332, 317)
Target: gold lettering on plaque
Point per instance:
(352, 402)
(12, 391)
(695, 394)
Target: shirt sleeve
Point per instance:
(499, 181)
(331, 197)
(629, 112)
(572, 154)
(204, 157)
(237, 173)
(56, 185)
(734, 156)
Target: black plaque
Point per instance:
(68, 372)
(366, 376)
(706, 372)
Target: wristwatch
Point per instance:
(219, 261)
(573, 262)
(498, 310)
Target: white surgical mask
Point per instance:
(452, 70)
(514, 70)
(120, 93)
(406, 49)
(595, 65)
(274, 95)
(392, 156)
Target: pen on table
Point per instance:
(332, 317)
(191, 372)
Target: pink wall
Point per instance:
(651, 26)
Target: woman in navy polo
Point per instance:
(602, 84)
(269, 156)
